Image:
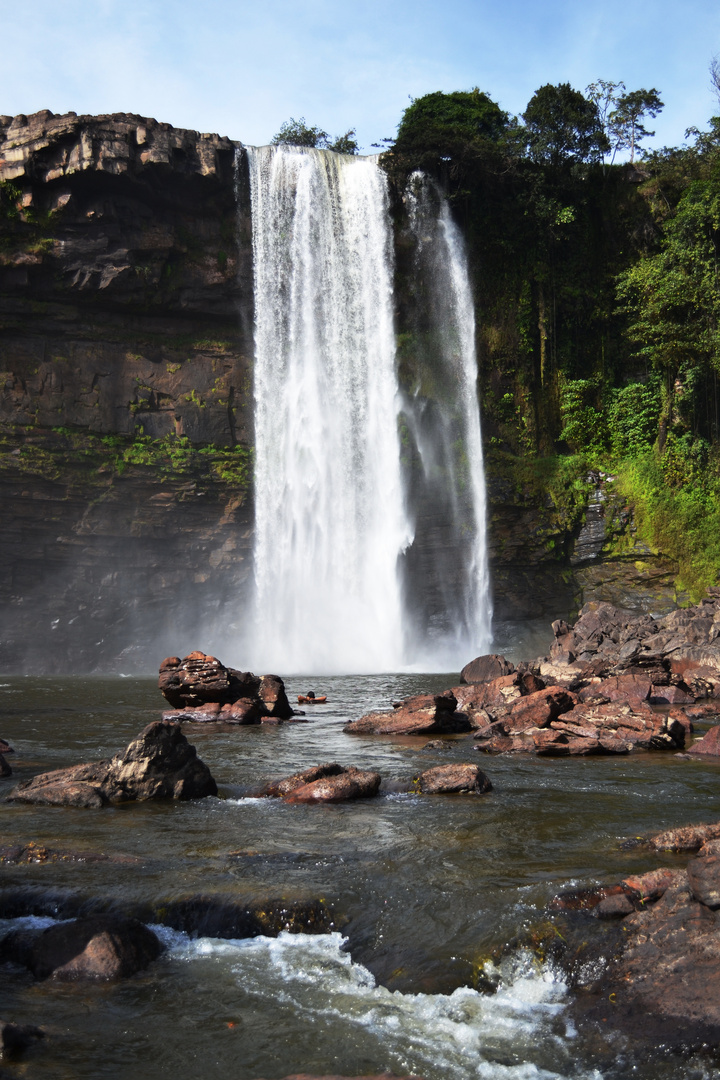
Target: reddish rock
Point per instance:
(623, 687)
(448, 779)
(646, 888)
(98, 947)
(486, 668)
(420, 715)
(281, 788)
(709, 745)
(686, 838)
(273, 696)
(671, 695)
(346, 785)
(703, 875)
(538, 709)
(159, 763)
(584, 899)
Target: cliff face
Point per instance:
(125, 317)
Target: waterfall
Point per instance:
(453, 607)
(331, 523)
(363, 562)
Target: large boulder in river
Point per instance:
(202, 687)
(159, 763)
(486, 668)
(98, 947)
(423, 714)
(326, 783)
(454, 779)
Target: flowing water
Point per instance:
(422, 889)
(339, 584)
(330, 514)
(446, 430)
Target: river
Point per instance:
(424, 891)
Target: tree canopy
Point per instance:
(299, 133)
(561, 125)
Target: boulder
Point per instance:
(704, 874)
(337, 1076)
(422, 714)
(343, 786)
(486, 668)
(5, 769)
(538, 709)
(709, 745)
(281, 788)
(14, 1038)
(159, 763)
(5, 747)
(200, 688)
(97, 947)
(451, 779)
(686, 838)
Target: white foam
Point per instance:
(459, 1035)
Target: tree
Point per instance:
(625, 121)
(450, 130)
(604, 94)
(299, 133)
(562, 125)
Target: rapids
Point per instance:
(423, 890)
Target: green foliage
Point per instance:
(584, 423)
(452, 128)
(625, 127)
(632, 416)
(682, 519)
(299, 133)
(561, 125)
(9, 197)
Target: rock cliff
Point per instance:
(126, 319)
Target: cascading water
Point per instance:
(330, 513)
(443, 417)
(337, 572)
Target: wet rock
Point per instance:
(223, 917)
(343, 786)
(5, 769)
(538, 709)
(584, 899)
(649, 887)
(709, 745)
(614, 907)
(159, 763)
(200, 688)
(5, 747)
(98, 947)
(486, 668)
(281, 788)
(449, 779)
(419, 715)
(33, 852)
(14, 1038)
(703, 874)
(686, 838)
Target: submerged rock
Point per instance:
(340, 787)
(98, 947)
(200, 688)
(14, 1038)
(224, 917)
(159, 763)
(5, 769)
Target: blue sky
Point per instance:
(241, 68)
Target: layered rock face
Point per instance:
(125, 309)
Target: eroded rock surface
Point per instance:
(454, 779)
(203, 690)
(326, 783)
(423, 714)
(159, 763)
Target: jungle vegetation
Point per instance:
(598, 290)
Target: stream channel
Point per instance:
(424, 889)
